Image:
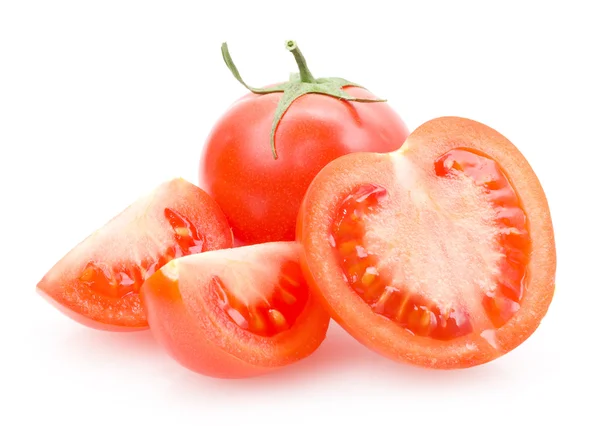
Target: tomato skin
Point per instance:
(82, 319)
(165, 311)
(379, 333)
(201, 337)
(141, 232)
(261, 195)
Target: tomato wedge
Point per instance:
(97, 283)
(235, 313)
(440, 254)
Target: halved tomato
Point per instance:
(235, 313)
(441, 254)
(97, 283)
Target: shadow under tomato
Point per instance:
(341, 354)
(129, 347)
(338, 357)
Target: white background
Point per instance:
(102, 101)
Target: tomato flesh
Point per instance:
(123, 279)
(513, 240)
(274, 311)
(236, 312)
(374, 274)
(98, 282)
(440, 254)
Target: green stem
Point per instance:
(299, 84)
(305, 74)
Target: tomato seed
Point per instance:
(277, 319)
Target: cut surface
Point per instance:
(235, 312)
(262, 297)
(125, 277)
(440, 254)
(462, 264)
(98, 282)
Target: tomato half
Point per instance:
(97, 283)
(261, 194)
(441, 254)
(235, 313)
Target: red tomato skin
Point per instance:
(165, 308)
(84, 320)
(261, 195)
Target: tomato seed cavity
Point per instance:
(122, 280)
(189, 240)
(412, 311)
(275, 312)
(117, 282)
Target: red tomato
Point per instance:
(261, 194)
(235, 313)
(97, 283)
(441, 254)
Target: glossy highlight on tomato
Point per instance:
(440, 254)
(98, 282)
(237, 312)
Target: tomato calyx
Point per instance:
(300, 83)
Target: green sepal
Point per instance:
(238, 77)
(298, 85)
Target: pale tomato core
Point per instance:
(272, 309)
(122, 279)
(383, 268)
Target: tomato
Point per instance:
(440, 254)
(237, 312)
(262, 154)
(97, 283)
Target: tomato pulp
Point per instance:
(98, 282)
(237, 312)
(440, 254)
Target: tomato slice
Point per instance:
(237, 312)
(440, 254)
(98, 282)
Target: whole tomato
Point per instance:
(263, 153)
